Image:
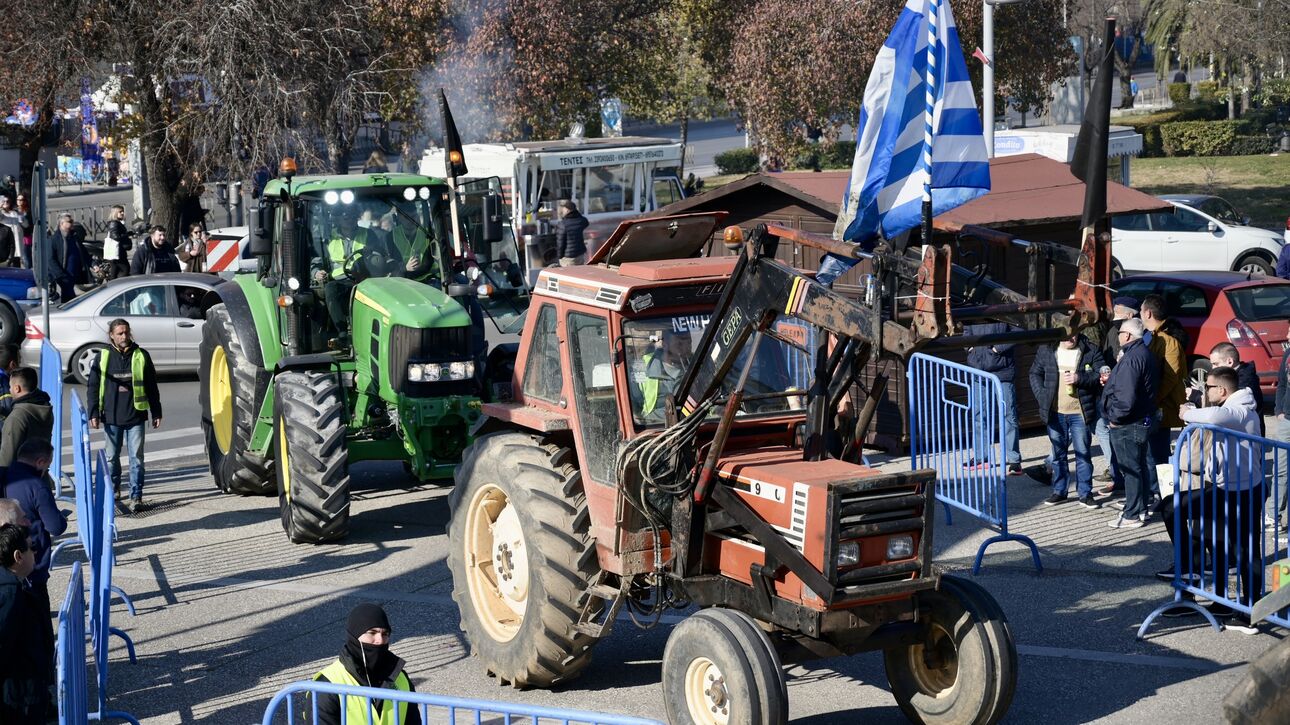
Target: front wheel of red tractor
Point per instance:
(522, 558)
(964, 670)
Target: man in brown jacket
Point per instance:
(1167, 349)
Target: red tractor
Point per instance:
(667, 445)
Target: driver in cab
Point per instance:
(660, 374)
(409, 241)
(346, 243)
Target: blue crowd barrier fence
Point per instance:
(80, 425)
(1224, 518)
(51, 381)
(72, 673)
(956, 426)
(452, 707)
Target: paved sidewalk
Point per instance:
(229, 611)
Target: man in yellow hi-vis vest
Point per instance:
(660, 374)
(366, 661)
(121, 390)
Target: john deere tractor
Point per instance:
(356, 340)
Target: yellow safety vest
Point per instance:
(138, 393)
(649, 386)
(338, 675)
(336, 251)
(410, 248)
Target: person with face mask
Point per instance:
(366, 661)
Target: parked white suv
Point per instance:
(1202, 233)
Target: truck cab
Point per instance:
(609, 179)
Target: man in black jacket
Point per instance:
(122, 393)
(117, 245)
(366, 661)
(1066, 384)
(1128, 403)
(1122, 308)
(155, 254)
(1225, 355)
(30, 417)
(569, 246)
(1281, 431)
(27, 665)
(996, 358)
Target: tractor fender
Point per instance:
(313, 361)
(239, 311)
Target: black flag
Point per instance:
(1089, 161)
(451, 140)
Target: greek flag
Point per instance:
(913, 116)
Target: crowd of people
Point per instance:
(74, 262)
(1134, 392)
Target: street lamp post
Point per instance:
(987, 74)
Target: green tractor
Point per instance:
(359, 338)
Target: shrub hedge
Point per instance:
(737, 161)
(1179, 93)
(1207, 91)
(1198, 138)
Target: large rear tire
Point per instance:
(313, 473)
(230, 390)
(716, 672)
(521, 558)
(1261, 695)
(987, 610)
(955, 676)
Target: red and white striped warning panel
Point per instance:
(222, 255)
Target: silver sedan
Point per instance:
(163, 310)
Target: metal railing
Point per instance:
(956, 426)
(473, 711)
(72, 674)
(1224, 522)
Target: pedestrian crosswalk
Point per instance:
(158, 445)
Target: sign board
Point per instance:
(609, 157)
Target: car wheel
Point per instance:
(1200, 368)
(10, 331)
(1255, 264)
(83, 360)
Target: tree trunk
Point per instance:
(1231, 92)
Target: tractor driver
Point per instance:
(347, 239)
(663, 367)
(408, 240)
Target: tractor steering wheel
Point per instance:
(364, 263)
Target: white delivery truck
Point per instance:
(610, 179)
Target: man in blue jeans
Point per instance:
(122, 393)
(1066, 383)
(996, 358)
(1128, 403)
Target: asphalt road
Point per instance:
(229, 611)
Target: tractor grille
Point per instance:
(439, 344)
(883, 506)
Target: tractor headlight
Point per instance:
(409, 193)
(433, 372)
(347, 197)
(900, 547)
(416, 373)
(461, 370)
(849, 554)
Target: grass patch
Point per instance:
(1256, 185)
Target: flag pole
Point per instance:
(933, 13)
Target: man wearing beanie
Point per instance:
(366, 661)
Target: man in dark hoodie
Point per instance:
(569, 245)
(1225, 355)
(155, 254)
(27, 665)
(1066, 384)
(122, 393)
(32, 417)
(997, 358)
(366, 661)
(27, 483)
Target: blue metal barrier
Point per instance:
(80, 481)
(476, 710)
(51, 381)
(101, 589)
(956, 426)
(1224, 540)
(72, 675)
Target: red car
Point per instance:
(1251, 313)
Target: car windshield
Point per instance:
(1264, 303)
(659, 348)
(1220, 210)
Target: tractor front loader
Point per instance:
(356, 340)
(668, 445)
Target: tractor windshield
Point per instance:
(660, 348)
(378, 233)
